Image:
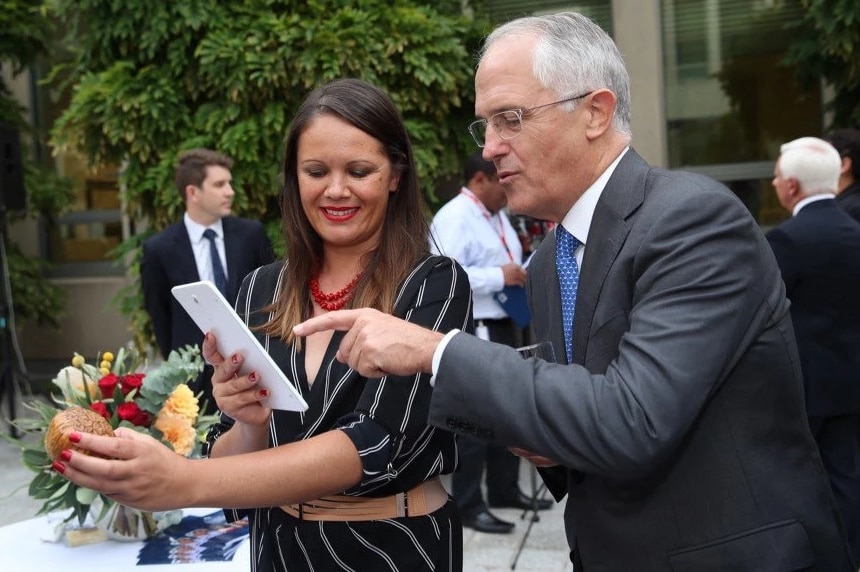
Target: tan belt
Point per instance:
(427, 497)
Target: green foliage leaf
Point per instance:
(826, 45)
(152, 79)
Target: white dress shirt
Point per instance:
(481, 242)
(200, 246)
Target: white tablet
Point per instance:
(212, 313)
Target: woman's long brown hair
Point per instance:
(405, 227)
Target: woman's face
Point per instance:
(345, 179)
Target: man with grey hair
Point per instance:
(818, 252)
(674, 422)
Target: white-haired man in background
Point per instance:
(818, 252)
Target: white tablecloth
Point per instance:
(24, 550)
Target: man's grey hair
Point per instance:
(573, 55)
(813, 163)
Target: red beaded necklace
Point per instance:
(335, 300)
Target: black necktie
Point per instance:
(217, 269)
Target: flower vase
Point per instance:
(129, 524)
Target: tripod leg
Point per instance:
(7, 389)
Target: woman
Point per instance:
(353, 482)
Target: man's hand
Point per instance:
(377, 344)
(515, 275)
(533, 458)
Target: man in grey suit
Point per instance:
(676, 427)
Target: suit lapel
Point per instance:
(185, 254)
(623, 194)
(233, 252)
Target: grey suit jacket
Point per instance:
(681, 430)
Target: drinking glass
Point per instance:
(540, 350)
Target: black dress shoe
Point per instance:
(487, 522)
(521, 501)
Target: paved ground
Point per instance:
(545, 548)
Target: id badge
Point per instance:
(482, 331)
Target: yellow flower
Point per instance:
(107, 356)
(78, 360)
(182, 402)
(177, 431)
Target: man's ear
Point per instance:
(477, 180)
(847, 164)
(601, 108)
(794, 187)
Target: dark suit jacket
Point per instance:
(168, 261)
(681, 431)
(818, 252)
(849, 200)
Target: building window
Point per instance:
(78, 242)
(730, 101)
(85, 236)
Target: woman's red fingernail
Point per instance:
(235, 359)
(59, 467)
(75, 437)
(65, 455)
(264, 393)
(252, 376)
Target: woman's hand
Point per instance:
(136, 470)
(238, 396)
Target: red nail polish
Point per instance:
(66, 455)
(59, 467)
(252, 376)
(235, 359)
(75, 437)
(264, 393)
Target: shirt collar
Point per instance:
(577, 221)
(811, 199)
(196, 230)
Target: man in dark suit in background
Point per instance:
(847, 143)
(675, 423)
(208, 244)
(818, 252)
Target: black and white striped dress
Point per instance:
(386, 419)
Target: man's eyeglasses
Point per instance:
(508, 124)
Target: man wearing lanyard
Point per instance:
(473, 229)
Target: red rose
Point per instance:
(130, 412)
(101, 409)
(107, 385)
(130, 382)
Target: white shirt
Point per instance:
(200, 246)
(577, 222)
(482, 242)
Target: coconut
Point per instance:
(69, 420)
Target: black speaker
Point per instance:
(12, 194)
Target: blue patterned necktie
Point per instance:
(568, 280)
(217, 268)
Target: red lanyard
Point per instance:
(466, 192)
